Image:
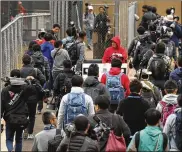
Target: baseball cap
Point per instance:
(90, 7)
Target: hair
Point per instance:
(168, 11)
(170, 86)
(141, 30)
(46, 116)
(67, 64)
(15, 73)
(101, 7)
(31, 44)
(56, 25)
(48, 37)
(93, 70)
(149, 8)
(41, 35)
(102, 101)
(81, 123)
(36, 48)
(82, 34)
(135, 86)
(152, 27)
(116, 63)
(160, 47)
(77, 81)
(176, 17)
(145, 6)
(180, 61)
(154, 9)
(58, 43)
(152, 116)
(179, 99)
(69, 31)
(26, 59)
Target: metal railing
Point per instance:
(14, 38)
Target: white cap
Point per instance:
(90, 7)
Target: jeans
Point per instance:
(10, 132)
(89, 36)
(32, 113)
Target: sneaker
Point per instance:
(30, 136)
(25, 134)
(39, 112)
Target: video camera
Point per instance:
(100, 128)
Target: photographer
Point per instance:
(111, 120)
(100, 25)
(78, 140)
(36, 76)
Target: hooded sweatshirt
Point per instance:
(176, 74)
(148, 140)
(112, 52)
(92, 81)
(169, 99)
(124, 79)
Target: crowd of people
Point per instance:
(111, 114)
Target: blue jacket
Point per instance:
(176, 74)
(46, 49)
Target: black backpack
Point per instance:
(74, 52)
(68, 44)
(54, 143)
(178, 130)
(38, 61)
(158, 68)
(17, 113)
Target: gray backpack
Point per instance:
(170, 47)
(93, 91)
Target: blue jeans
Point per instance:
(89, 36)
(10, 132)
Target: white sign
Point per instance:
(103, 68)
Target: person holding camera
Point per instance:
(100, 25)
(113, 121)
(35, 76)
(78, 140)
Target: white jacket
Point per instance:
(169, 130)
(88, 102)
(169, 98)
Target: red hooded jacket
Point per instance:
(111, 52)
(125, 82)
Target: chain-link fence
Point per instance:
(14, 39)
(101, 21)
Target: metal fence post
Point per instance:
(116, 17)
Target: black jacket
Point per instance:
(100, 24)
(9, 91)
(114, 121)
(59, 81)
(28, 70)
(132, 109)
(76, 142)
